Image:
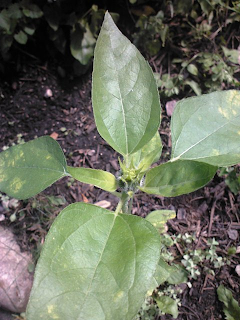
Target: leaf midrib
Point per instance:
(198, 142)
(121, 98)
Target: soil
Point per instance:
(38, 102)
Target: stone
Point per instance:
(170, 106)
(15, 279)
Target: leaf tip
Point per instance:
(108, 20)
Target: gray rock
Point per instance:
(170, 106)
(15, 279)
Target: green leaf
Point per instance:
(232, 55)
(32, 11)
(207, 129)
(52, 15)
(5, 22)
(100, 263)
(192, 69)
(82, 44)
(206, 6)
(177, 274)
(195, 87)
(29, 30)
(21, 37)
(5, 43)
(124, 93)
(59, 39)
(160, 277)
(231, 307)
(162, 272)
(14, 11)
(158, 218)
(99, 178)
(149, 154)
(173, 274)
(29, 168)
(167, 305)
(172, 179)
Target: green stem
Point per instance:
(116, 194)
(130, 206)
(123, 204)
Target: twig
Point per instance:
(211, 218)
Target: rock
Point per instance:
(233, 234)
(48, 93)
(15, 279)
(237, 269)
(170, 106)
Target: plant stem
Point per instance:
(116, 194)
(123, 204)
(130, 205)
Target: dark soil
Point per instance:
(67, 116)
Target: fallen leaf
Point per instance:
(54, 135)
(84, 198)
(103, 204)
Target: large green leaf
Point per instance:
(99, 178)
(172, 179)
(207, 128)
(94, 265)
(149, 153)
(29, 168)
(125, 96)
(231, 307)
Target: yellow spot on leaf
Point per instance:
(16, 184)
(223, 112)
(215, 152)
(51, 312)
(118, 295)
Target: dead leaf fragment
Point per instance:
(103, 204)
(54, 135)
(85, 199)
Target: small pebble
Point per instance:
(48, 93)
(237, 269)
